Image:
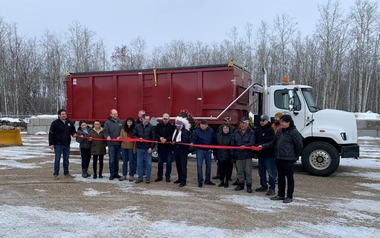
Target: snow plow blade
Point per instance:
(10, 137)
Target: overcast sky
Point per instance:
(158, 22)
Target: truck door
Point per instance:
(298, 113)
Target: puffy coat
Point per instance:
(112, 129)
(287, 144)
(246, 139)
(264, 134)
(98, 147)
(146, 132)
(223, 155)
(84, 142)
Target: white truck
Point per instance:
(328, 134)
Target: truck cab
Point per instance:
(328, 134)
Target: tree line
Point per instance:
(340, 59)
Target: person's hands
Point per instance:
(260, 147)
(149, 150)
(90, 139)
(75, 135)
(118, 138)
(191, 144)
(172, 143)
(108, 138)
(51, 147)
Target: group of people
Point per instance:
(279, 146)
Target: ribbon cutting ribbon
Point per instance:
(194, 145)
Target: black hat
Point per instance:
(244, 119)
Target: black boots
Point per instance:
(221, 183)
(249, 188)
(85, 174)
(239, 187)
(226, 184)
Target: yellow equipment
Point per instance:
(10, 137)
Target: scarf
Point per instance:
(178, 138)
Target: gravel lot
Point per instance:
(336, 206)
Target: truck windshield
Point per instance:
(309, 100)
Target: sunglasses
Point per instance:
(180, 125)
(262, 120)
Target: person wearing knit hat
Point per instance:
(276, 122)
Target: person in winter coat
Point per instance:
(226, 120)
(203, 135)
(60, 133)
(224, 156)
(287, 145)
(112, 128)
(98, 148)
(244, 137)
(181, 134)
(164, 133)
(146, 131)
(128, 150)
(85, 147)
(265, 134)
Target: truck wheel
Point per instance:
(320, 158)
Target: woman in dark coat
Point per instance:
(287, 145)
(224, 156)
(85, 147)
(98, 148)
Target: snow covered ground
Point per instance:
(129, 221)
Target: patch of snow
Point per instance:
(368, 138)
(92, 192)
(263, 204)
(10, 119)
(368, 175)
(364, 193)
(375, 186)
(41, 133)
(363, 163)
(46, 116)
(40, 190)
(368, 115)
(8, 164)
(164, 193)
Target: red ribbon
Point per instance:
(194, 145)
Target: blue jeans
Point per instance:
(127, 155)
(163, 156)
(58, 151)
(267, 165)
(114, 155)
(203, 155)
(144, 156)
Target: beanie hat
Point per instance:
(264, 117)
(278, 114)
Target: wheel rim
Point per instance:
(320, 159)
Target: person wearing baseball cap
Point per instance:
(244, 137)
(265, 134)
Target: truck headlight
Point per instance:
(343, 135)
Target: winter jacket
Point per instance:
(264, 134)
(203, 137)
(287, 144)
(98, 147)
(223, 155)
(179, 149)
(165, 131)
(146, 132)
(246, 139)
(112, 129)
(125, 144)
(60, 132)
(83, 142)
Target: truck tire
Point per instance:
(320, 158)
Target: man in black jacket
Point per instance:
(164, 133)
(146, 131)
(59, 140)
(265, 134)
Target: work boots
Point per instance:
(240, 187)
(221, 183)
(249, 188)
(84, 173)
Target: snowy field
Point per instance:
(354, 217)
